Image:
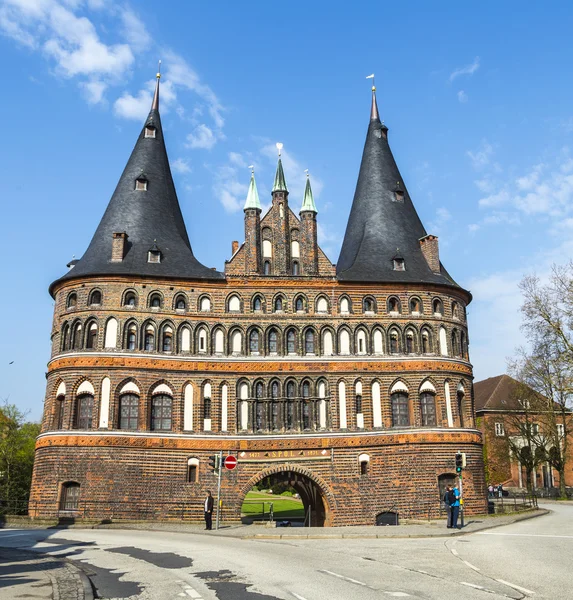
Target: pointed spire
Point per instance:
(280, 182)
(252, 195)
(308, 200)
(149, 214)
(383, 218)
(155, 103)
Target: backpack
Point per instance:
(451, 497)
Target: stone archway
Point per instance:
(316, 497)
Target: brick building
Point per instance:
(503, 413)
(351, 382)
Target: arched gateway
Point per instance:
(316, 496)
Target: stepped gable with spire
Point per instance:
(150, 217)
(383, 224)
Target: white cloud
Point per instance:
(179, 165)
(440, 221)
(237, 159)
(462, 96)
(134, 30)
(133, 107)
(201, 137)
(528, 182)
(499, 199)
(481, 157)
(467, 70)
(94, 91)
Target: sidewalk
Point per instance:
(417, 529)
(26, 574)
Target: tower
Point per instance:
(309, 242)
(252, 212)
(281, 259)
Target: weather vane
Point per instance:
(252, 167)
(279, 147)
(307, 173)
(373, 81)
(159, 70)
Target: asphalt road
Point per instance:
(531, 558)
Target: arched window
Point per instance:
(205, 304)
(130, 299)
(378, 342)
(131, 338)
(274, 405)
(257, 304)
(400, 409)
(455, 345)
(207, 403)
(290, 405)
(393, 305)
(368, 305)
(438, 307)
(234, 303)
(161, 412)
(309, 341)
(443, 342)
(59, 414)
(361, 342)
(149, 339)
(77, 337)
(84, 411)
(415, 306)
(299, 304)
(344, 306)
(155, 301)
(192, 470)
(343, 342)
(167, 339)
(460, 398)
(64, 337)
(428, 409)
(273, 344)
(72, 300)
(291, 341)
(95, 298)
(267, 267)
(306, 405)
(259, 406)
(254, 342)
(219, 341)
(202, 340)
(426, 347)
(364, 461)
(180, 303)
(295, 267)
(455, 310)
(394, 345)
(463, 345)
(70, 496)
(91, 336)
(327, 343)
(237, 342)
(128, 411)
(278, 304)
(322, 305)
(410, 346)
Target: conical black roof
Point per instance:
(148, 217)
(383, 222)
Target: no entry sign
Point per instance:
(230, 462)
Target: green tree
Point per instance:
(17, 443)
(546, 366)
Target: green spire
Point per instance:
(308, 201)
(252, 195)
(280, 182)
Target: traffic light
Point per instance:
(214, 463)
(460, 461)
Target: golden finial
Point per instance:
(279, 147)
(307, 173)
(158, 70)
(155, 103)
(252, 167)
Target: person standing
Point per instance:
(490, 491)
(455, 506)
(209, 511)
(500, 490)
(447, 503)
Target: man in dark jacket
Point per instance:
(446, 499)
(455, 507)
(209, 511)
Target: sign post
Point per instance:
(219, 489)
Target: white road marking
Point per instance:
(297, 596)
(517, 587)
(397, 594)
(346, 578)
(477, 587)
(193, 593)
(470, 565)
(543, 535)
(5, 535)
(454, 552)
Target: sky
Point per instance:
(477, 98)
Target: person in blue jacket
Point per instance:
(456, 507)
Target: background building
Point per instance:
(510, 421)
(350, 382)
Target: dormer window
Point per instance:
(399, 264)
(150, 131)
(398, 193)
(141, 183)
(154, 254)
